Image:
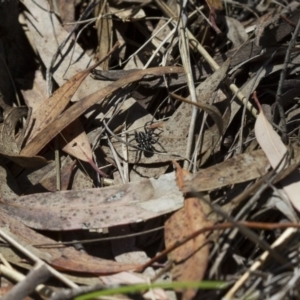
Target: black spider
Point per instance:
(145, 140)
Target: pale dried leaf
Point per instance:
(195, 252)
(131, 278)
(275, 150)
(97, 208)
(42, 26)
(236, 32)
(231, 171)
(8, 187)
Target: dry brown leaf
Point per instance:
(48, 183)
(66, 11)
(66, 258)
(275, 151)
(75, 142)
(72, 113)
(42, 24)
(104, 32)
(97, 208)
(231, 171)
(49, 109)
(190, 259)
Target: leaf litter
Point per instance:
(126, 131)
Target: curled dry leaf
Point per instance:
(97, 208)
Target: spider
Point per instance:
(145, 140)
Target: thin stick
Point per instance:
(33, 257)
(185, 55)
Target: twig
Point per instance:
(39, 274)
(33, 257)
(185, 55)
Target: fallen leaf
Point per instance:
(48, 183)
(131, 278)
(190, 259)
(275, 150)
(66, 258)
(41, 26)
(231, 171)
(97, 208)
(75, 142)
(49, 109)
(80, 107)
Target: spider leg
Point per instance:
(157, 142)
(135, 138)
(146, 129)
(138, 155)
